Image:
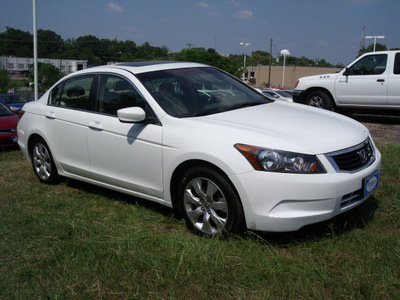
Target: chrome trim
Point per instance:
(330, 156)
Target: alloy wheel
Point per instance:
(205, 206)
(41, 160)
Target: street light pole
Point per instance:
(35, 55)
(375, 37)
(244, 58)
(285, 53)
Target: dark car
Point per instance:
(13, 101)
(32, 97)
(8, 127)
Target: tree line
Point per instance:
(15, 42)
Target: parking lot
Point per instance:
(383, 128)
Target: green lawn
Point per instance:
(78, 241)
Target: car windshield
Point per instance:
(198, 91)
(283, 94)
(5, 111)
(10, 99)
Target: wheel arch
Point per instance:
(186, 165)
(320, 89)
(31, 138)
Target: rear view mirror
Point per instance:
(131, 115)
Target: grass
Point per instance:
(74, 240)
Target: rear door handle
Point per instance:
(95, 125)
(50, 115)
(381, 80)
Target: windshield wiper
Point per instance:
(220, 109)
(242, 105)
(202, 113)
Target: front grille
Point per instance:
(354, 158)
(7, 130)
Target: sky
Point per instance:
(316, 29)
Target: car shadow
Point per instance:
(356, 218)
(118, 196)
(9, 148)
(379, 119)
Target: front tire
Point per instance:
(43, 163)
(209, 203)
(319, 99)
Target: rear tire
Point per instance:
(43, 163)
(209, 204)
(319, 99)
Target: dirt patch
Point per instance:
(384, 129)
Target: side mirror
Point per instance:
(346, 72)
(131, 115)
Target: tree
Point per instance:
(370, 48)
(260, 57)
(15, 42)
(128, 51)
(47, 76)
(87, 48)
(4, 81)
(148, 52)
(209, 57)
(50, 44)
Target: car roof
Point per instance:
(147, 66)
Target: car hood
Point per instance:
(288, 126)
(10, 121)
(16, 106)
(326, 77)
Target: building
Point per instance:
(22, 65)
(292, 74)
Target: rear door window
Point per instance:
(396, 69)
(73, 93)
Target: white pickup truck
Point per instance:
(371, 82)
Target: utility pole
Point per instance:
(114, 50)
(362, 42)
(270, 63)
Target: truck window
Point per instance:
(396, 69)
(369, 65)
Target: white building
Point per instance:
(22, 65)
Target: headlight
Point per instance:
(280, 161)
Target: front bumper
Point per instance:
(279, 202)
(299, 96)
(8, 140)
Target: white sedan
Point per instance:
(277, 94)
(196, 139)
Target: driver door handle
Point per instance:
(95, 125)
(381, 80)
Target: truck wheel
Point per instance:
(319, 99)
